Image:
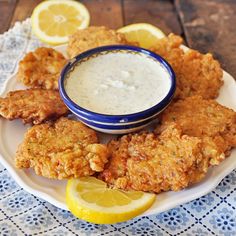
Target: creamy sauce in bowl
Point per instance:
(118, 83)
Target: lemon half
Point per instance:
(53, 21)
(90, 199)
(145, 34)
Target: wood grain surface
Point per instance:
(7, 8)
(23, 10)
(209, 26)
(205, 25)
(105, 12)
(157, 12)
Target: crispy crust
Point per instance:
(92, 37)
(196, 73)
(206, 119)
(41, 68)
(32, 105)
(194, 134)
(200, 75)
(169, 49)
(64, 149)
(147, 162)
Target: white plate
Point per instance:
(53, 191)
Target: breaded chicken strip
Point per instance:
(196, 73)
(147, 162)
(205, 119)
(92, 37)
(41, 68)
(64, 149)
(32, 105)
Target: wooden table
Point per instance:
(206, 25)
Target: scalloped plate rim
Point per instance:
(20, 176)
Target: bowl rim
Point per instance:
(116, 118)
(95, 122)
(116, 126)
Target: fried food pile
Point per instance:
(208, 120)
(195, 132)
(155, 163)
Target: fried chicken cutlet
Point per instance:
(64, 149)
(148, 162)
(41, 68)
(205, 119)
(32, 105)
(196, 73)
(92, 37)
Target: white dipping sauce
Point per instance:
(118, 83)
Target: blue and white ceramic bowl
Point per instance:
(116, 124)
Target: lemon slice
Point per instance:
(145, 34)
(90, 199)
(53, 21)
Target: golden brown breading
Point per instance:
(41, 68)
(32, 105)
(64, 149)
(92, 37)
(169, 49)
(147, 162)
(196, 73)
(200, 75)
(206, 119)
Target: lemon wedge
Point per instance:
(53, 21)
(145, 34)
(90, 199)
